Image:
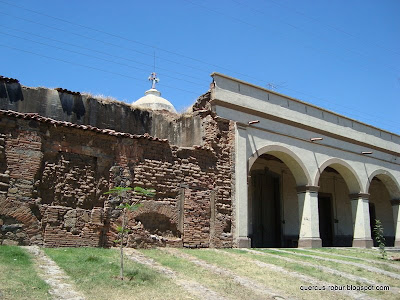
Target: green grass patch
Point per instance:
(223, 285)
(18, 277)
(95, 271)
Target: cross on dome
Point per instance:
(153, 77)
(152, 98)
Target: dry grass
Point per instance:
(222, 285)
(275, 280)
(95, 273)
(359, 253)
(355, 258)
(101, 98)
(380, 278)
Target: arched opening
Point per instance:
(336, 181)
(273, 202)
(383, 188)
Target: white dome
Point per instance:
(152, 99)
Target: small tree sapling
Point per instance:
(121, 193)
(379, 237)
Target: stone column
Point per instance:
(241, 188)
(308, 217)
(361, 223)
(396, 219)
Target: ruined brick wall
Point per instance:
(53, 176)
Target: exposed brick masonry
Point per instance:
(53, 176)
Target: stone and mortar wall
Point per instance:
(53, 175)
(63, 105)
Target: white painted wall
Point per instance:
(284, 130)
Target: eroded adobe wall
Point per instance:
(53, 176)
(63, 105)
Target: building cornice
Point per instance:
(298, 125)
(302, 102)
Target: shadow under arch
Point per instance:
(390, 182)
(345, 170)
(292, 161)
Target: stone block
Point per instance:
(310, 243)
(70, 219)
(358, 243)
(10, 242)
(244, 242)
(97, 216)
(11, 228)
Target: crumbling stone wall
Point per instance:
(84, 109)
(53, 175)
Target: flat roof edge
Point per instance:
(301, 102)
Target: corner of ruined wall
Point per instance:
(233, 187)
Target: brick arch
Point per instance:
(346, 170)
(390, 182)
(159, 208)
(151, 210)
(155, 224)
(22, 214)
(292, 161)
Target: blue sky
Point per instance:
(340, 55)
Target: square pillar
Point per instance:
(361, 221)
(396, 219)
(241, 187)
(308, 217)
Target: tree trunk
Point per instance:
(122, 245)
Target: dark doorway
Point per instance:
(325, 220)
(266, 215)
(372, 219)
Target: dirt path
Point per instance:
(393, 290)
(358, 258)
(308, 279)
(61, 286)
(246, 282)
(193, 287)
(368, 268)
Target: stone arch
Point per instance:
(291, 160)
(390, 182)
(345, 170)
